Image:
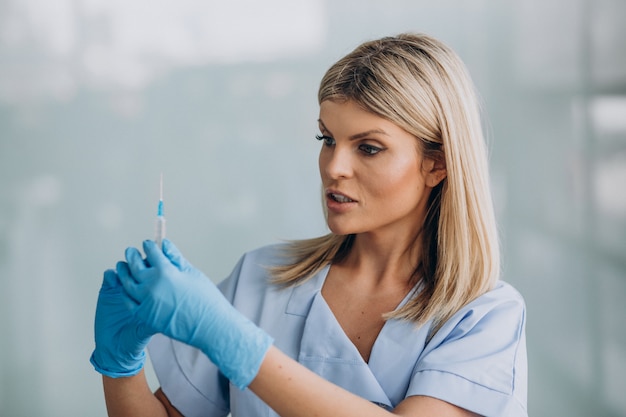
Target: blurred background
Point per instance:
(98, 98)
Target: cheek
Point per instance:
(402, 179)
(321, 162)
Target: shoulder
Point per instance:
(503, 292)
(499, 313)
(255, 264)
(480, 350)
(502, 305)
(266, 256)
(503, 298)
(250, 282)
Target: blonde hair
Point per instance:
(422, 86)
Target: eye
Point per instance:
(328, 141)
(369, 149)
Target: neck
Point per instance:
(385, 259)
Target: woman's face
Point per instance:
(373, 175)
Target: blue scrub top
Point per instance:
(477, 360)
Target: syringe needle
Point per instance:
(161, 188)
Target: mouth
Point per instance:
(339, 198)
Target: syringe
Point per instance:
(160, 221)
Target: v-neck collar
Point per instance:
(327, 350)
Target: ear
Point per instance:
(434, 171)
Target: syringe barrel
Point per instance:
(159, 234)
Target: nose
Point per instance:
(335, 162)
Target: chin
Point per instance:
(341, 229)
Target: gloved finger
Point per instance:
(154, 255)
(109, 280)
(131, 287)
(173, 254)
(136, 264)
(113, 289)
(122, 271)
(129, 301)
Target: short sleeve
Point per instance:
(188, 378)
(477, 360)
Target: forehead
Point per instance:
(349, 118)
(348, 114)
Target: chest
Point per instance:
(360, 313)
(305, 328)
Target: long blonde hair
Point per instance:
(422, 86)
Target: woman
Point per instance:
(398, 310)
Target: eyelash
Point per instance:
(368, 150)
(328, 141)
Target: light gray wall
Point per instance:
(98, 98)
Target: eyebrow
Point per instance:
(357, 135)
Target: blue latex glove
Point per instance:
(120, 343)
(176, 299)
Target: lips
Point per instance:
(339, 197)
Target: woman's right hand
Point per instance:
(174, 298)
(120, 340)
